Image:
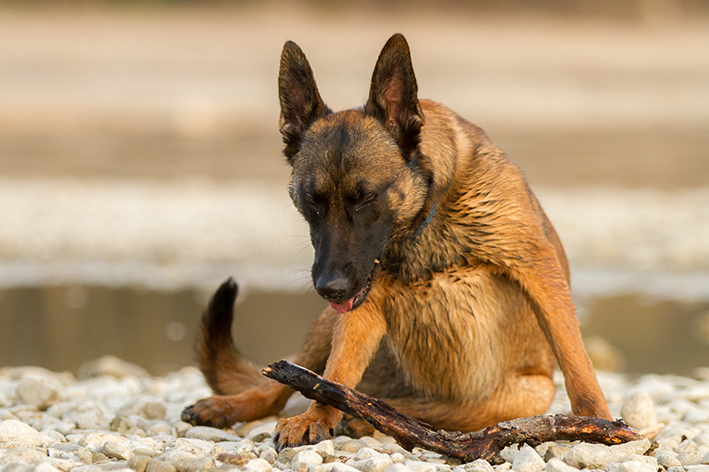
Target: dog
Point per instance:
(448, 287)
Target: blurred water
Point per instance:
(60, 327)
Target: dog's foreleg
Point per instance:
(356, 338)
(546, 285)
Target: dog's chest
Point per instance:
(446, 331)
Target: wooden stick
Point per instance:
(484, 444)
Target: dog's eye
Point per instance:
(365, 201)
(310, 203)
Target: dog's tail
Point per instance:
(227, 372)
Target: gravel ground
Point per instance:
(117, 417)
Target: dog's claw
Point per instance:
(207, 412)
(299, 431)
(186, 415)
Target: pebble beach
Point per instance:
(149, 157)
(114, 416)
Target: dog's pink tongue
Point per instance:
(343, 307)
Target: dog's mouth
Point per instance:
(357, 300)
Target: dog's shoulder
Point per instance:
(441, 122)
(463, 152)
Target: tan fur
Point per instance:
(463, 322)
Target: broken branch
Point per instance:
(484, 444)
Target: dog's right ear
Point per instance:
(393, 94)
(300, 100)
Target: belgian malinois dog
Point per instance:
(448, 287)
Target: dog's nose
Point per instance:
(331, 289)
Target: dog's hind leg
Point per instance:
(243, 394)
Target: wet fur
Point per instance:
(461, 285)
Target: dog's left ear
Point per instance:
(393, 94)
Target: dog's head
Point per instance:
(355, 177)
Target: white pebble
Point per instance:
(599, 456)
(325, 448)
(245, 445)
(14, 433)
(696, 416)
(419, 466)
(510, 452)
(391, 448)
(197, 445)
(147, 406)
(257, 465)
(527, 460)
(702, 439)
(557, 465)
(377, 463)
(63, 465)
(696, 468)
(351, 445)
(268, 454)
(650, 461)
(690, 458)
(667, 443)
(397, 468)
(638, 411)
(4, 400)
(16, 467)
(87, 415)
(99, 438)
(161, 427)
(265, 430)
(45, 467)
(110, 365)
(103, 467)
(305, 459)
(686, 446)
(557, 451)
(631, 466)
(181, 454)
(370, 442)
(677, 430)
(332, 467)
(54, 435)
(40, 391)
(116, 450)
(207, 433)
(180, 428)
(23, 454)
(667, 458)
(478, 465)
(365, 453)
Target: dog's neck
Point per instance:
(428, 219)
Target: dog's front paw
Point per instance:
(215, 411)
(313, 426)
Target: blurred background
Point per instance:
(140, 163)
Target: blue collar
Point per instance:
(428, 220)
